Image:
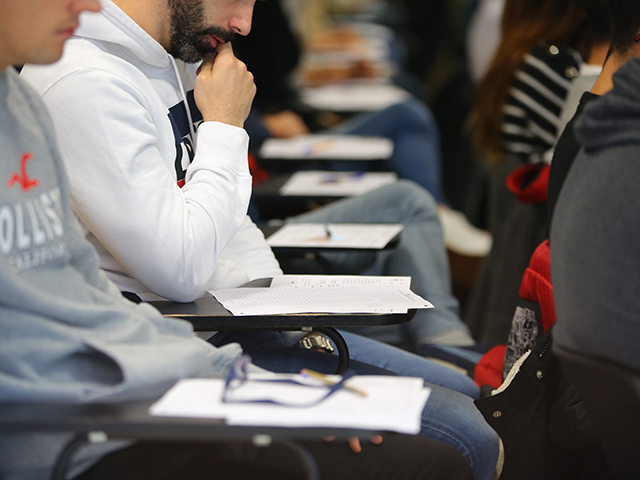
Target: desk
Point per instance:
(322, 185)
(132, 420)
(269, 230)
(327, 147)
(287, 255)
(99, 422)
(270, 191)
(207, 314)
(288, 194)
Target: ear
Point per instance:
(635, 50)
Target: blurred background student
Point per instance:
(515, 122)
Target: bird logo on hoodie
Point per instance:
(22, 177)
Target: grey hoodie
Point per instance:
(595, 237)
(66, 333)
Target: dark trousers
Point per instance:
(400, 457)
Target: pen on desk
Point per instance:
(327, 231)
(323, 378)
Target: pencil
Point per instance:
(323, 378)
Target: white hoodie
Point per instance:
(128, 139)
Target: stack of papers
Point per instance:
(391, 403)
(334, 235)
(323, 294)
(328, 147)
(335, 184)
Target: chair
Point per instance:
(310, 260)
(611, 395)
(208, 315)
(312, 189)
(94, 423)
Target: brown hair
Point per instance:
(525, 24)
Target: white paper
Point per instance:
(328, 147)
(401, 283)
(392, 404)
(334, 235)
(291, 294)
(353, 98)
(338, 184)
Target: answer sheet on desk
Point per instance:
(335, 184)
(391, 403)
(328, 147)
(323, 294)
(335, 235)
(401, 283)
(354, 98)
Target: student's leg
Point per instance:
(401, 457)
(402, 362)
(417, 459)
(270, 350)
(416, 138)
(421, 255)
(450, 414)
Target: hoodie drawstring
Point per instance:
(184, 98)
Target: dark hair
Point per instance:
(525, 24)
(598, 20)
(625, 23)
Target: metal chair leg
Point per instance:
(341, 345)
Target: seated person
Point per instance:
(409, 124)
(594, 230)
(205, 241)
(548, 403)
(202, 245)
(69, 336)
(515, 122)
(278, 112)
(126, 112)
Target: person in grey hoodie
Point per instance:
(68, 335)
(595, 235)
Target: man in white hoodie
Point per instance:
(161, 241)
(165, 205)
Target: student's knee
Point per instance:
(416, 197)
(414, 113)
(454, 419)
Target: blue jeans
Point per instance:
(421, 255)
(416, 138)
(449, 416)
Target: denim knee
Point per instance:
(411, 195)
(454, 419)
(414, 115)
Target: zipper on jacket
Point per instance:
(545, 347)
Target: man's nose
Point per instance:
(78, 6)
(241, 21)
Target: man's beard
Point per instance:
(189, 34)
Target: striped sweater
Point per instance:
(533, 107)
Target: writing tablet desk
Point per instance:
(93, 423)
(314, 253)
(318, 151)
(207, 314)
(305, 190)
(270, 190)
